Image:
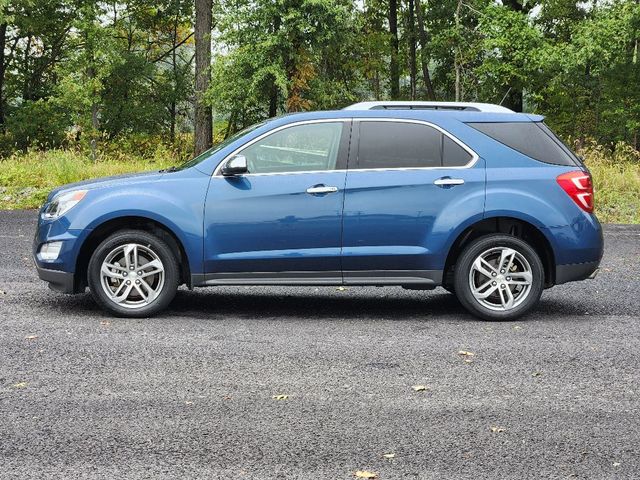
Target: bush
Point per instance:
(40, 124)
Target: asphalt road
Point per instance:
(189, 394)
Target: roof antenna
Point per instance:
(505, 96)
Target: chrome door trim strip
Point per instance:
(319, 278)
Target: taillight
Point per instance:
(578, 186)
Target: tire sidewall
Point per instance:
(159, 247)
(465, 262)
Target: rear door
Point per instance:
(409, 186)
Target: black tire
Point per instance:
(464, 265)
(156, 245)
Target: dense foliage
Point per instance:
(84, 71)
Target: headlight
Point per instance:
(62, 203)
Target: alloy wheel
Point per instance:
(500, 278)
(132, 275)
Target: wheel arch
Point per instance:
(517, 227)
(135, 222)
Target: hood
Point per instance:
(129, 178)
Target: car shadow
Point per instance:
(325, 304)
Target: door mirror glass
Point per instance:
(236, 165)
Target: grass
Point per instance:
(26, 178)
(616, 179)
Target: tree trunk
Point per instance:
(174, 66)
(203, 113)
(456, 57)
(412, 50)
(95, 121)
(273, 99)
(273, 89)
(424, 57)
(3, 41)
(514, 99)
(394, 66)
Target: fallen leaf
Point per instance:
(464, 353)
(280, 397)
(497, 429)
(341, 289)
(536, 374)
(188, 402)
(31, 337)
(105, 323)
(2, 292)
(517, 327)
(616, 464)
(466, 360)
(389, 455)
(20, 385)
(419, 388)
(365, 474)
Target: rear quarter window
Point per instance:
(533, 139)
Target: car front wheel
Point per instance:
(499, 277)
(133, 273)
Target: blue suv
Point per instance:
(485, 202)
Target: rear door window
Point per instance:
(533, 139)
(398, 145)
(408, 145)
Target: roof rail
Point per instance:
(403, 105)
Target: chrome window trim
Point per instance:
(474, 156)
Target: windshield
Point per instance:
(216, 148)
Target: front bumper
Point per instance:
(59, 271)
(60, 281)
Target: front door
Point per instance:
(408, 188)
(282, 221)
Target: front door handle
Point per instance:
(321, 189)
(448, 182)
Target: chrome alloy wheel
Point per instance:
(500, 278)
(132, 275)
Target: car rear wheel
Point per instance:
(499, 277)
(133, 273)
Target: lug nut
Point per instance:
(508, 279)
(131, 267)
(503, 286)
(493, 274)
(125, 274)
(501, 271)
(494, 283)
(139, 273)
(128, 282)
(137, 282)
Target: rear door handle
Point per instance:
(321, 189)
(448, 181)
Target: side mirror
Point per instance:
(236, 165)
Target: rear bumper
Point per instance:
(59, 281)
(576, 271)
